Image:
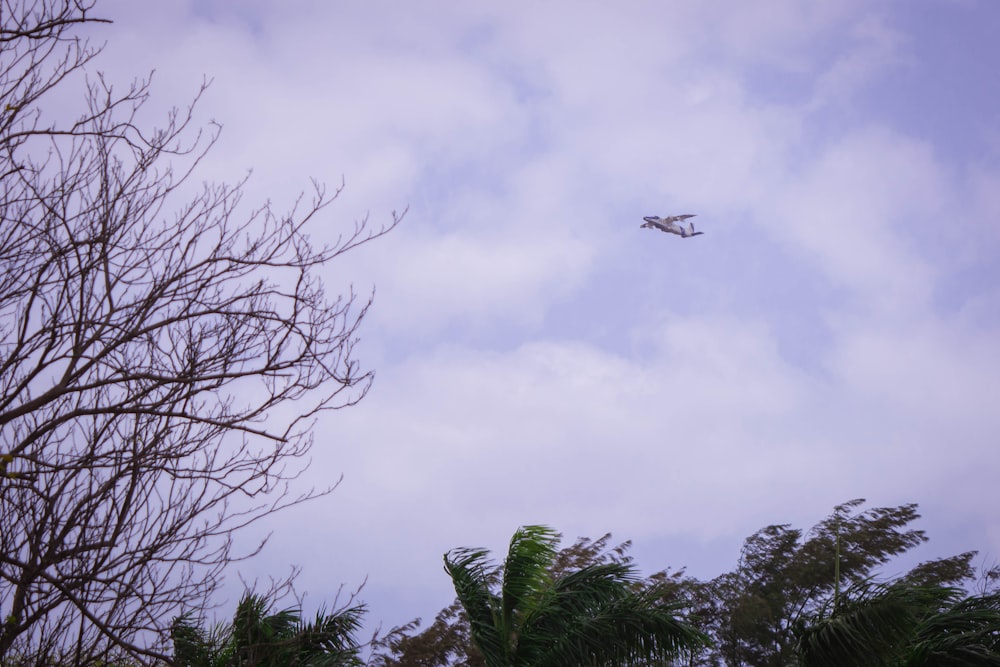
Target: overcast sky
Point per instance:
(834, 334)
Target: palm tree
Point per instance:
(904, 625)
(259, 638)
(598, 616)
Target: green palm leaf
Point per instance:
(870, 625)
(258, 637)
(526, 570)
(470, 572)
(966, 633)
(597, 616)
(901, 624)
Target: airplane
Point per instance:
(669, 224)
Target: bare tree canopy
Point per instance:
(162, 355)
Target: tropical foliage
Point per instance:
(260, 637)
(900, 624)
(601, 614)
(786, 576)
(784, 604)
(447, 641)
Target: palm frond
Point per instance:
(611, 624)
(578, 594)
(193, 647)
(967, 633)
(262, 638)
(558, 610)
(331, 638)
(871, 624)
(599, 616)
(596, 616)
(470, 572)
(526, 569)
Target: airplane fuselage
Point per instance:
(670, 224)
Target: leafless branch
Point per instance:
(162, 356)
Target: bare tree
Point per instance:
(162, 356)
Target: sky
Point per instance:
(833, 334)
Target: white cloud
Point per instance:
(877, 49)
(475, 280)
(580, 435)
(935, 373)
(856, 211)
